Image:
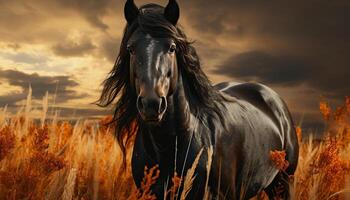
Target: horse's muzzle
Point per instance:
(151, 109)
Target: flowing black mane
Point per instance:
(198, 90)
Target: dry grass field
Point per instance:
(52, 159)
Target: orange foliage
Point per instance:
(83, 161)
(7, 141)
(347, 103)
(326, 166)
(176, 182)
(325, 110)
(149, 179)
(279, 159)
(299, 134)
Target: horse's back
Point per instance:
(273, 110)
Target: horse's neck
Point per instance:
(183, 116)
(175, 136)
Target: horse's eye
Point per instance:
(169, 73)
(172, 48)
(131, 49)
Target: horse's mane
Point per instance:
(199, 92)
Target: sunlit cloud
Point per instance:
(298, 52)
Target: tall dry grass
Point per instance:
(324, 165)
(54, 159)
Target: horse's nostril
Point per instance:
(139, 104)
(151, 107)
(162, 105)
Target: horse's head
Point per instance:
(153, 66)
(156, 62)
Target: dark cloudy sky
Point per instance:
(299, 48)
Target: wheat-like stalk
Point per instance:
(208, 167)
(3, 116)
(28, 109)
(45, 107)
(70, 184)
(190, 176)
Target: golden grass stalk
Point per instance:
(28, 103)
(56, 184)
(28, 108)
(45, 107)
(190, 176)
(208, 167)
(338, 193)
(68, 191)
(3, 116)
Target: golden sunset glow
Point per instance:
(68, 47)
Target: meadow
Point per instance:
(47, 158)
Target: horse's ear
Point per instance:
(172, 12)
(130, 11)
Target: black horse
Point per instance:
(160, 86)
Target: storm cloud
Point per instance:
(300, 48)
(286, 43)
(263, 67)
(286, 70)
(62, 85)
